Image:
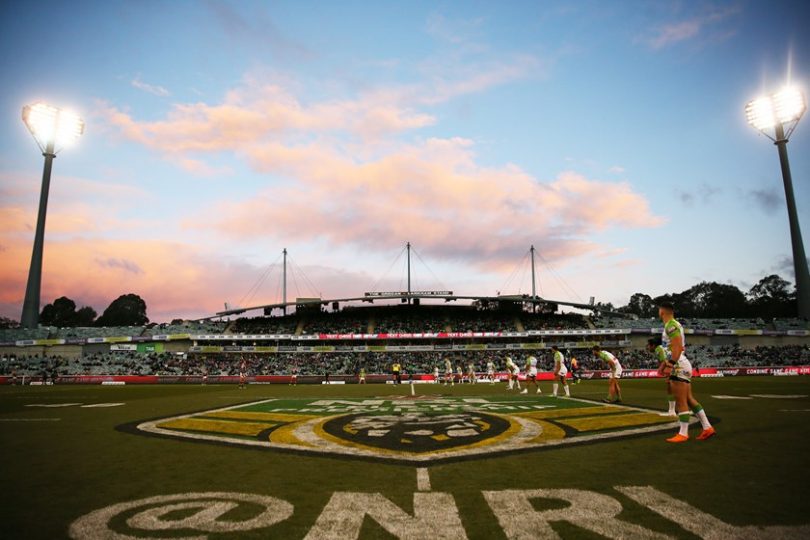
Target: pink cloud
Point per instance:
(434, 194)
(175, 279)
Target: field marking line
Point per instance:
(30, 419)
(101, 405)
(722, 396)
(779, 396)
(794, 410)
(151, 425)
(52, 405)
(422, 479)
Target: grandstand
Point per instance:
(339, 343)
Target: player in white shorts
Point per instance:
(614, 392)
(513, 372)
(531, 375)
(436, 374)
(448, 372)
(674, 339)
(491, 372)
(560, 372)
(460, 373)
(471, 372)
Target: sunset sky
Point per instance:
(611, 135)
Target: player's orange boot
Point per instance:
(678, 438)
(706, 433)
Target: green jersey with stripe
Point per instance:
(673, 330)
(661, 354)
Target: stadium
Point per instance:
(642, 371)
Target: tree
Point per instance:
(711, 299)
(126, 310)
(641, 304)
(85, 316)
(62, 312)
(5, 322)
(772, 297)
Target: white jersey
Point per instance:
(490, 367)
(682, 368)
(470, 369)
(559, 364)
(448, 367)
(531, 366)
(613, 362)
(436, 372)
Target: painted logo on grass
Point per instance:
(411, 430)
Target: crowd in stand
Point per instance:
(350, 363)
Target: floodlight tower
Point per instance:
(781, 113)
(53, 129)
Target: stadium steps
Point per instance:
(519, 325)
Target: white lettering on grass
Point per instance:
(592, 511)
(211, 505)
(435, 515)
(702, 524)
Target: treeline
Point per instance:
(126, 310)
(771, 297)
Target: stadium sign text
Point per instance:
(435, 515)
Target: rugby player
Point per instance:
(471, 373)
(242, 374)
(654, 346)
(362, 377)
(615, 374)
(674, 339)
(460, 374)
(448, 371)
(560, 371)
(513, 371)
(531, 375)
(575, 369)
(491, 371)
(436, 374)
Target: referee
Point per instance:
(396, 369)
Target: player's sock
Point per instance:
(554, 388)
(671, 411)
(567, 391)
(701, 414)
(683, 421)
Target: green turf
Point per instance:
(58, 464)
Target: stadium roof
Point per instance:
(369, 298)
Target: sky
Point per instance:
(609, 135)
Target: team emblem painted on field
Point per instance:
(411, 430)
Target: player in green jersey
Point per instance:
(674, 339)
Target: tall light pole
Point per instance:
(780, 113)
(52, 128)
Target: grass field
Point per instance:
(62, 461)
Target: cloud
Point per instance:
(617, 169)
(175, 279)
(149, 88)
(703, 193)
(257, 32)
(435, 194)
(710, 24)
(769, 200)
(123, 264)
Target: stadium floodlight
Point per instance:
(776, 116)
(53, 129)
(51, 126)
